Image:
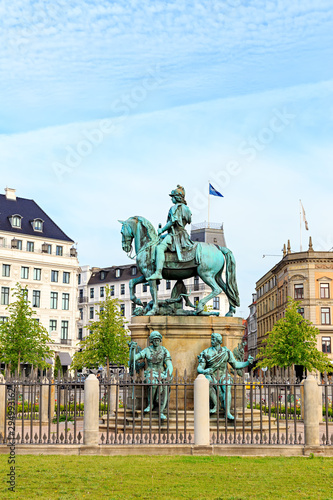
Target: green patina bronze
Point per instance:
(213, 363)
(173, 256)
(158, 367)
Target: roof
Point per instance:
(110, 274)
(28, 210)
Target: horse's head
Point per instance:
(126, 236)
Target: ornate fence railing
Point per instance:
(266, 411)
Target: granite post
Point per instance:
(201, 411)
(311, 421)
(91, 417)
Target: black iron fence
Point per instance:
(154, 410)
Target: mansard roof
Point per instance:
(125, 273)
(29, 211)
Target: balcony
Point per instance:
(83, 299)
(66, 341)
(197, 287)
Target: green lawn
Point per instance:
(146, 477)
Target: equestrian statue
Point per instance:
(171, 254)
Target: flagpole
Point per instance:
(208, 204)
(300, 225)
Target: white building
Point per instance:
(35, 252)
(92, 282)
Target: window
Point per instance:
(3, 319)
(92, 293)
(4, 296)
(16, 221)
(37, 274)
(46, 248)
(134, 271)
(16, 244)
(81, 313)
(81, 293)
(196, 283)
(35, 298)
(299, 292)
(102, 275)
(6, 270)
(216, 303)
(326, 344)
(122, 289)
(54, 276)
(101, 309)
(325, 316)
(112, 290)
(59, 250)
(79, 279)
(117, 273)
(66, 277)
(122, 309)
(37, 225)
(133, 307)
(65, 301)
(168, 285)
(53, 325)
(101, 291)
(196, 301)
(54, 300)
(64, 330)
(91, 313)
(301, 311)
(24, 273)
(80, 334)
(324, 290)
(30, 246)
(144, 287)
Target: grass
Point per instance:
(168, 478)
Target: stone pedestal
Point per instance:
(185, 337)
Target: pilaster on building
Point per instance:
(93, 280)
(36, 253)
(305, 276)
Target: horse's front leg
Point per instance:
(132, 286)
(153, 292)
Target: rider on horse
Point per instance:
(177, 238)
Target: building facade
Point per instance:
(92, 283)
(252, 328)
(36, 253)
(305, 276)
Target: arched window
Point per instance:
(16, 221)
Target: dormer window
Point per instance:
(117, 273)
(134, 271)
(37, 225)
(102, 275)
(16, 221)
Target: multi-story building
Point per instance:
(252, 328)
(36, 253)
(305, 276)
(92, 283)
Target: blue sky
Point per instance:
(108, 106)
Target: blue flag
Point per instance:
(214, 192)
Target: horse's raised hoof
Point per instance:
(162, 416)
(213, 410)
(230, 417)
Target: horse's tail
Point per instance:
(230, 287)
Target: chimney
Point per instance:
(10, 194)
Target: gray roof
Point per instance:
(28, 210)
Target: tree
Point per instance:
(107, 341)
(57, 367)
(293, 341)
(22, 338)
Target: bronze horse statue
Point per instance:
(205, 260)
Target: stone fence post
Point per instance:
(2, 405)
(91, 410)
(201, 411)
(311, 420)
(44, 400)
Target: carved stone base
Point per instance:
(185, 337)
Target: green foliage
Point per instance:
(22, 338)
(57, 367)
(293, 341)
(108, 339)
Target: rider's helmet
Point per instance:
(179, 194)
